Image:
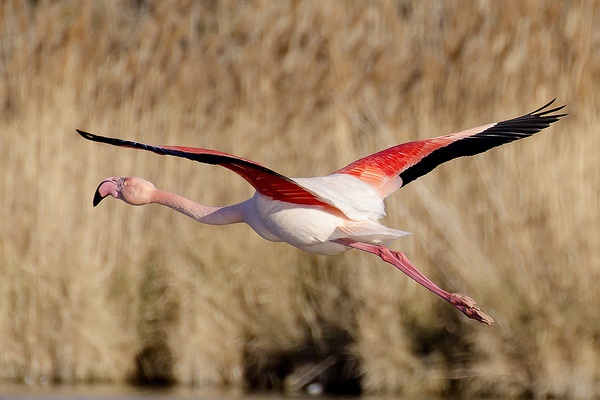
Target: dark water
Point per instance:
(101, 392)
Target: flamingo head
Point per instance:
(132, 190)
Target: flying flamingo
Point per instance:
(329, 214)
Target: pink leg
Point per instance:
(463, 303)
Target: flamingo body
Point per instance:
(329, 214)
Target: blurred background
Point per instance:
(117, 294)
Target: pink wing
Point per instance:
(263, 179)
(411, 160)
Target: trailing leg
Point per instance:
(463, 303)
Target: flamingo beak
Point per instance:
(109, 186)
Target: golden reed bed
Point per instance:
(144, 295)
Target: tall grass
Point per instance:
(143, 294)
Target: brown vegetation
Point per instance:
(121, 293)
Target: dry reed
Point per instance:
(120, 293)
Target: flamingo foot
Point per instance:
(468, 307)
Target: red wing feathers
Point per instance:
(263, 179)
(414, 159)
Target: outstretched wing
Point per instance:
(408, 161)
(263, 179)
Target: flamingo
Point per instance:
(334, 213)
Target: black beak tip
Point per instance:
(97, 198)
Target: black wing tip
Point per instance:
(544, 106)
(89, 136)
(104, 139)
(544, 112)
(84, 134)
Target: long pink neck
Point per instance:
(199, 212)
